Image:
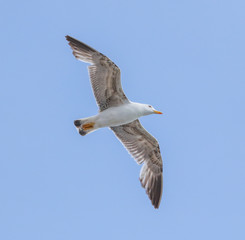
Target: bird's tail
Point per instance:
(85, 125)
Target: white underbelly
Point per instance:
(116, 116)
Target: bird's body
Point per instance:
(121, 116)
(116, 116)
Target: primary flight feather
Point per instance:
(121, 115)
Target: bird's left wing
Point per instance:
(145, 149)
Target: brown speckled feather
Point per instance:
(105, 76)
(145, 149)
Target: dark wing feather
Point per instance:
(104, 75)
(145, 149)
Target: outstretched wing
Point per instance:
(104, 75)
(145, 149)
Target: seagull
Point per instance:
(121, 115)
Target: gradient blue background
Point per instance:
(186, 58)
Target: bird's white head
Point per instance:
(148, 109)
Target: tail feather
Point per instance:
(84, 126)
(78, 123)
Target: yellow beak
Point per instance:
(157, 112)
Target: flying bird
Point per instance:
(121, 115)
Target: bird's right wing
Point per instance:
(145, 149)
(105, 76)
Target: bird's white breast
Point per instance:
(116, 116)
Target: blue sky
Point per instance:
(186, 58)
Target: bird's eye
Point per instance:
(149, 106)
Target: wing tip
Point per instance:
(67, 37)
(157, 201)
(81, 50)
(73, 42)
(153, 188)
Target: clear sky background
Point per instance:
(186, 58)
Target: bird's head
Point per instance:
(148, 109)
